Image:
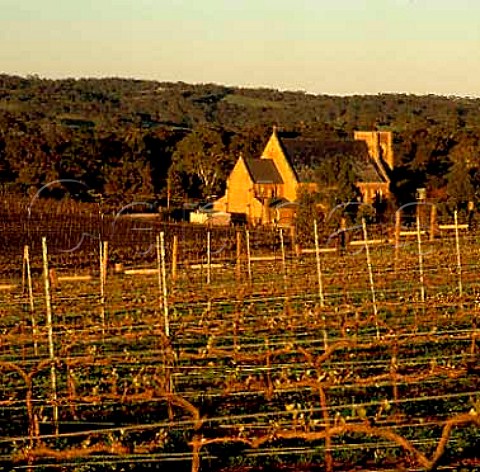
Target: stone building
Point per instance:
(265, 189)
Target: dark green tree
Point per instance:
(308, 210)
(460, 189)
(202, 157)
(336, 178)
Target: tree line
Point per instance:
(129, 139)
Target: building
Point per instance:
(265, 189)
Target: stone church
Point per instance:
(265, 189)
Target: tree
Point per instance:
(249, 142)
(307, 212)
(127, 172)
(160, 144)
(460, 189)
(4, 164)
(202, 156)
(336, 179)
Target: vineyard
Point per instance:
(133, 344)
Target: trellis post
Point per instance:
(459, 255)
(320, 283)
(51, 350)
(370, 274)
(420, 260)
(174, 257)
(28, 274)
(209, 257)
(284, 259)
(164, 284)
(398, 227)
(249, 261)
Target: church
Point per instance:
(265, 189)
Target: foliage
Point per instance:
(336, 178)
(308, 211)
(118, 136)
(460, 188)
(201, 156)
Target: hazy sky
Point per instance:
(320, 46)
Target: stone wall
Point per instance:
(273, 150)
(379, 145)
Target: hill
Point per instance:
(120, 136)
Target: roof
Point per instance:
(263, 171)
(278, 203)
(306, 154)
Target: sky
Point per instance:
(337, 47)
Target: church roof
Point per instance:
(306, 154)
(263, 171)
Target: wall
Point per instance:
(273, 150)
(240, 195)
(379, 144)
(369, 190)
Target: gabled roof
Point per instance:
(306, 154)
(263, 171)
(369, 170)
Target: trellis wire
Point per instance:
(300, 316)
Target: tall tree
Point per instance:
(336, 179)
(203, 158)
(127, 173)
(460, 189)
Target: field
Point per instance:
(250, 354)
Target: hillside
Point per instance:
(120, 136)
(114, 101)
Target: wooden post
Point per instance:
(298, 250)
(105, 262)
(319, 267)
(249, 262)
(343, 235)
(174, 257)
(398, 227)
(209, 257)
(159, 272)
(51, 350)
(25, 249)
(164, 284)
(433, 221)
(370, 274)
(239, 255)
(320, 284)
(459, 256)
(28, 273)
(420, 260)
(284, 259)
(103, 276)
(169, 193)
(293, 236)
